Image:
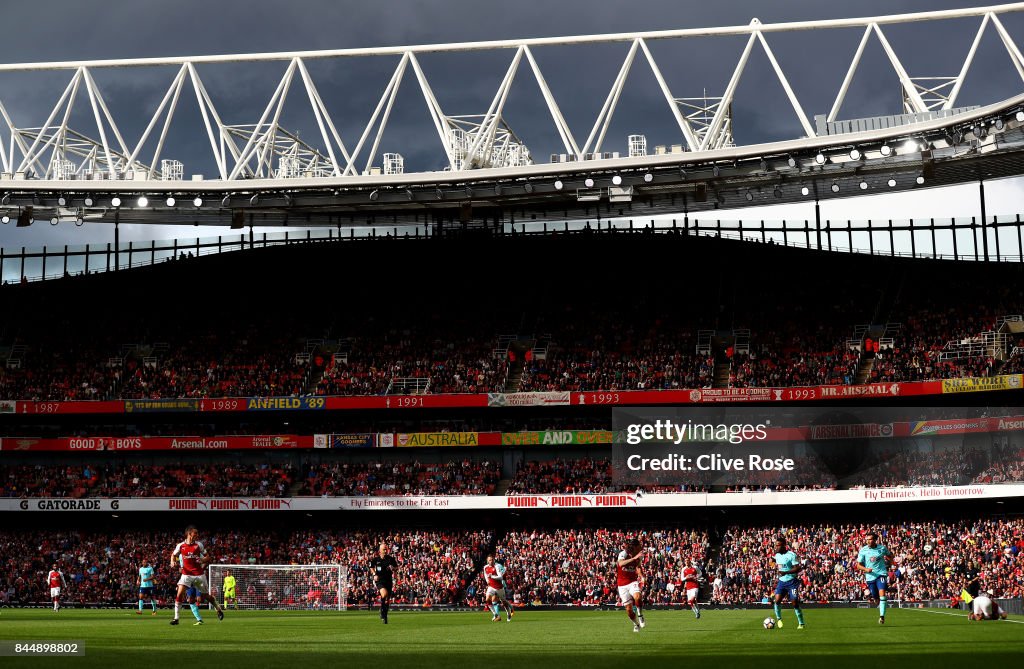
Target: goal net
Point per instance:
(282, 586)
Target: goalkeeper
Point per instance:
(229, 590)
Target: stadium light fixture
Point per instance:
(682, 175)
(589, 183)
(835, 186)
(764, 165)
(805, 191)
(255, 199)
(886, 150)
(88, 201)
(79, 221)
(892, 182)
(980, 131)
(910, 146)
(791, 161)
(863, 185)
(62, 201)
(143, 201)
(820, 158)
(408, 194)
(5, 219)
(115, 201)
(54, 220)
(648, 178)
(716, 171)
(225, 201)
(35, 199)
(528, 187)
(497, 190)
(197, 202)
(374, 195)
(999, 124)
(749, 196)
(558, 185)
(6, 199)
(170, 201)
(1020, 117)
(854, 154)
(616, 180)
(469, 191)
(439, 194)
(920, 179)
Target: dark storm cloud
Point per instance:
(464, 83)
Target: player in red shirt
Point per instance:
(691, 577)
(628, 579)
(494, 574)
(56, 581)
(191, 554)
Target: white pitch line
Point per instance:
(958, 615)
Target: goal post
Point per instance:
(283, 586)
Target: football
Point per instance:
(769, 623)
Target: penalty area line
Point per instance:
(960, 615)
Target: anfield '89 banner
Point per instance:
(1006, 382)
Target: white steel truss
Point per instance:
(265, 150)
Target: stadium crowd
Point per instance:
(464, 477)
(435, 566)
(138, 480)
(577, 566)
(653, 357)
(931, 559)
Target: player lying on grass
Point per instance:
(985, 607)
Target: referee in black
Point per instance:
(383, 567)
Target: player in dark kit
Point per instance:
(383, 567)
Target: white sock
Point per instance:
(177, 609)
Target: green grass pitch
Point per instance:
(534, 639)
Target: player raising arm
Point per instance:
(787, 564)
(56, 580)
(494, 574)
(627, 578)
(192, 556)
(873, 561)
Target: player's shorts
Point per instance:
(691, 594)
(628, 593)
(790, 589)
(54, 592)
(146, 591)
(229, 594)
(986, 609)
(197, 582)
(386, 585)
(880, 583)
(500, 592)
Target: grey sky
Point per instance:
(464, 83)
